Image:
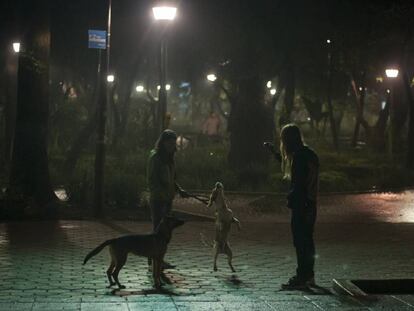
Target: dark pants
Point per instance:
(158, 210)
(303, 222)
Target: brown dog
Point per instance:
(152, 246)
(224, 219)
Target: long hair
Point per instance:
(290, 141)
(159, 145)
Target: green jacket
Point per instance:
(161, 178)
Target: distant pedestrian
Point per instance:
(301, 165)
(211, 125)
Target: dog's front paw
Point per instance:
(121, 287)
(215, 268)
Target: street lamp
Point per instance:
(139, 89)
(269, 84)
(16, 47)
(164, 13)
(110, 78)
(392, 74)
(273, 92)
(211, 77)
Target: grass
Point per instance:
(201, 167)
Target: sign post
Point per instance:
(97, 40)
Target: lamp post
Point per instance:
(101, 128)
(329, 95)
(163, 13)
(12, 61)
(392, 74)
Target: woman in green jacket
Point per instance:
(162, 177)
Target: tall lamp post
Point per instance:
(11, 102)
(101, 128)
(391, 74)
(163, 13)
(329, 95)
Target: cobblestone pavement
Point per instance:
(41, 267)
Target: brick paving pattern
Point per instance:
(42, 268)
(41, 263)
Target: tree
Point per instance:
(29, 176)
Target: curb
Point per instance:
(320, 193)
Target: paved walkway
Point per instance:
(41, 267)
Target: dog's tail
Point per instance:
(96, 250)
(204, 240)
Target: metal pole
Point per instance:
(100, 143)
(10, 107)
(391, 124)
(162, 93)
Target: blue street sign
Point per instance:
(97, 39)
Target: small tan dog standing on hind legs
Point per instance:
(224, 219)
(153, 245)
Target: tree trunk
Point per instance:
(330, 107)
(378, 137)
(249, 126)
(410, 138)
(400, 115)
(29, 176)
(289, 100)
(359, 101)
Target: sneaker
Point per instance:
(295, 283)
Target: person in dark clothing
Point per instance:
(301, 165)
(161, 177)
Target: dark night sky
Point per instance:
(205, 31)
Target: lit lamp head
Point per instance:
(211, 77)
(16, 47)
(164, 12)
(110, 78)
(391, 73)
(139, 88)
